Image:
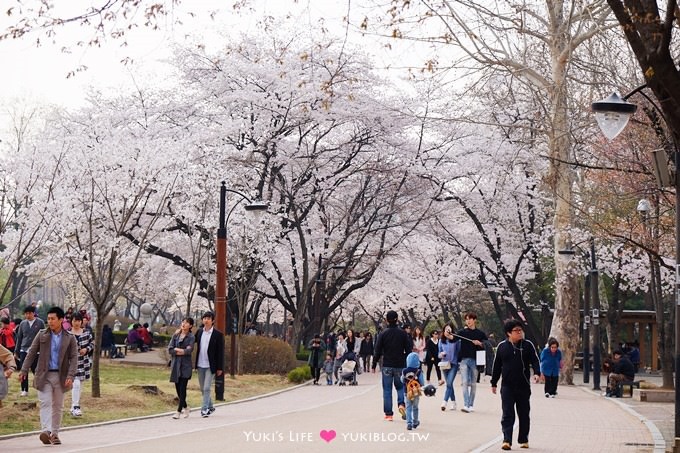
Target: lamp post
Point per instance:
(613, 117)
(595, 299)
(221, 271)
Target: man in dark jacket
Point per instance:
(622, 370)
(26, 333)
(513, 358)
(209, 359)
(392, 345)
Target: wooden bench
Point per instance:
(627, 384)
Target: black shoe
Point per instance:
(211, 410)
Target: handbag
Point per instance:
(444, 365)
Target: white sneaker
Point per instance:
(553, 396)
(176, 415)
(76, 412)
(24, 393)
(186, 412)
(453, 406)
(470, 409)
(443, 405)
(465, 409)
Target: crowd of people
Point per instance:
(58, 353)
(406, 358)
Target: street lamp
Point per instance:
(221, 264)
(591, 318)
(605, 107)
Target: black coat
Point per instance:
(625, 367)
(393, 345)
(215, 349)
(431, 351)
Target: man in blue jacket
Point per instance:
(514, 356)
(209, 359)
(392, 345)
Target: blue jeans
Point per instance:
(449, 376)
(412, 411)
(205, 382)
(468, 375)
(392, 376)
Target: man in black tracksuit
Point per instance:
(393, 345)
(514, 356)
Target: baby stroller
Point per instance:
(348, 371)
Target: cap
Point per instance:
(392, 315)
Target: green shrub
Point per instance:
(262, 355)
(304, 356)
(300, 374)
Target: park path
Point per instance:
(578, 420)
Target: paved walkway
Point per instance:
(578, 420)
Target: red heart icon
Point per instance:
(327, 435)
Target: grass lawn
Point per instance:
(124, 397)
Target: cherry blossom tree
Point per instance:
(109, 180)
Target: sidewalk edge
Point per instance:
(657, 437)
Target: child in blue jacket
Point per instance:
(413, 379)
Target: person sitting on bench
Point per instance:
(622, 371)
(134, 338)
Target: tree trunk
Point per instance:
(98, 328)
(566, 319)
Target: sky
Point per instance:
(40, 73)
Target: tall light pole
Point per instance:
(595, 299)
(221, 270)
(612, 117)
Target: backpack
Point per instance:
(413, 387)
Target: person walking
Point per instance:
(551, 364)
(26, 332)
(317, 350)
(366, 351)
(471, 341)
(413, 380)
(56, 353)
(419, 344)
(449, 348)
(392, 346)
(340, 350)
(432, 356)
(180, 348)
(514, 357)
(209, 360)
(85, 347)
